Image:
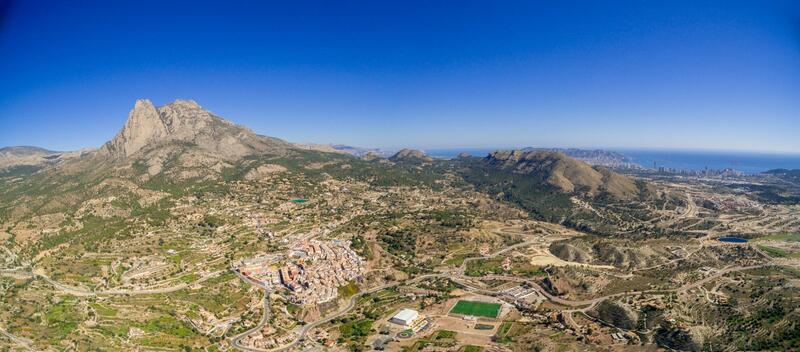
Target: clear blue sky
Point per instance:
(427, 74)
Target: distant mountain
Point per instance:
(596, 157)
(564, 172)
(24, 151)
(410, 155)
(327, 148)
(783, 172)
(361, 152)
(32, 157)
(370, 156)
(369, 153)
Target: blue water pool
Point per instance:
(731, 239)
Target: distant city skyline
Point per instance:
(673, 75)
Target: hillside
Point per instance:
(792, 175)
(555, 187)
(176, 148)
(566, 173)
(595, 157)
(410, 155)
(138, 238)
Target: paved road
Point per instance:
(459, 278)
(236, 340)
(301, 335)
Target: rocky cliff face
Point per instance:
(144, 125)
(185, 121)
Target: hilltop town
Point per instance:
(313, 271)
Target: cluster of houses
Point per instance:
(313, 271)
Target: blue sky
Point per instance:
(428, 74)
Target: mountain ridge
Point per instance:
(564, 172)
(35, 157)
(410, 155)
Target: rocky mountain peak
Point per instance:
(187, 103)
(181, 120)
(185, 121)
(143, 126)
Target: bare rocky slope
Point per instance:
(605, 253)
(148, 127)
(181, 140)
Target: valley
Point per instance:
(188, 232)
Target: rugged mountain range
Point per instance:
(361, 152)
(182, 144)
(180, 195)
(24, 155)
(32, 157)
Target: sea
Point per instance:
(746, 162)
(749, 163)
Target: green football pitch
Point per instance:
(482, 309)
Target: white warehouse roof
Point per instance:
(405, 315)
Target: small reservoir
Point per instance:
(732, 239)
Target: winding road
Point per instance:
(19, 341)
(458, 277)
(301, 334)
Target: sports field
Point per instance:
(482, 309)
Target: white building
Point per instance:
(405, 317)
